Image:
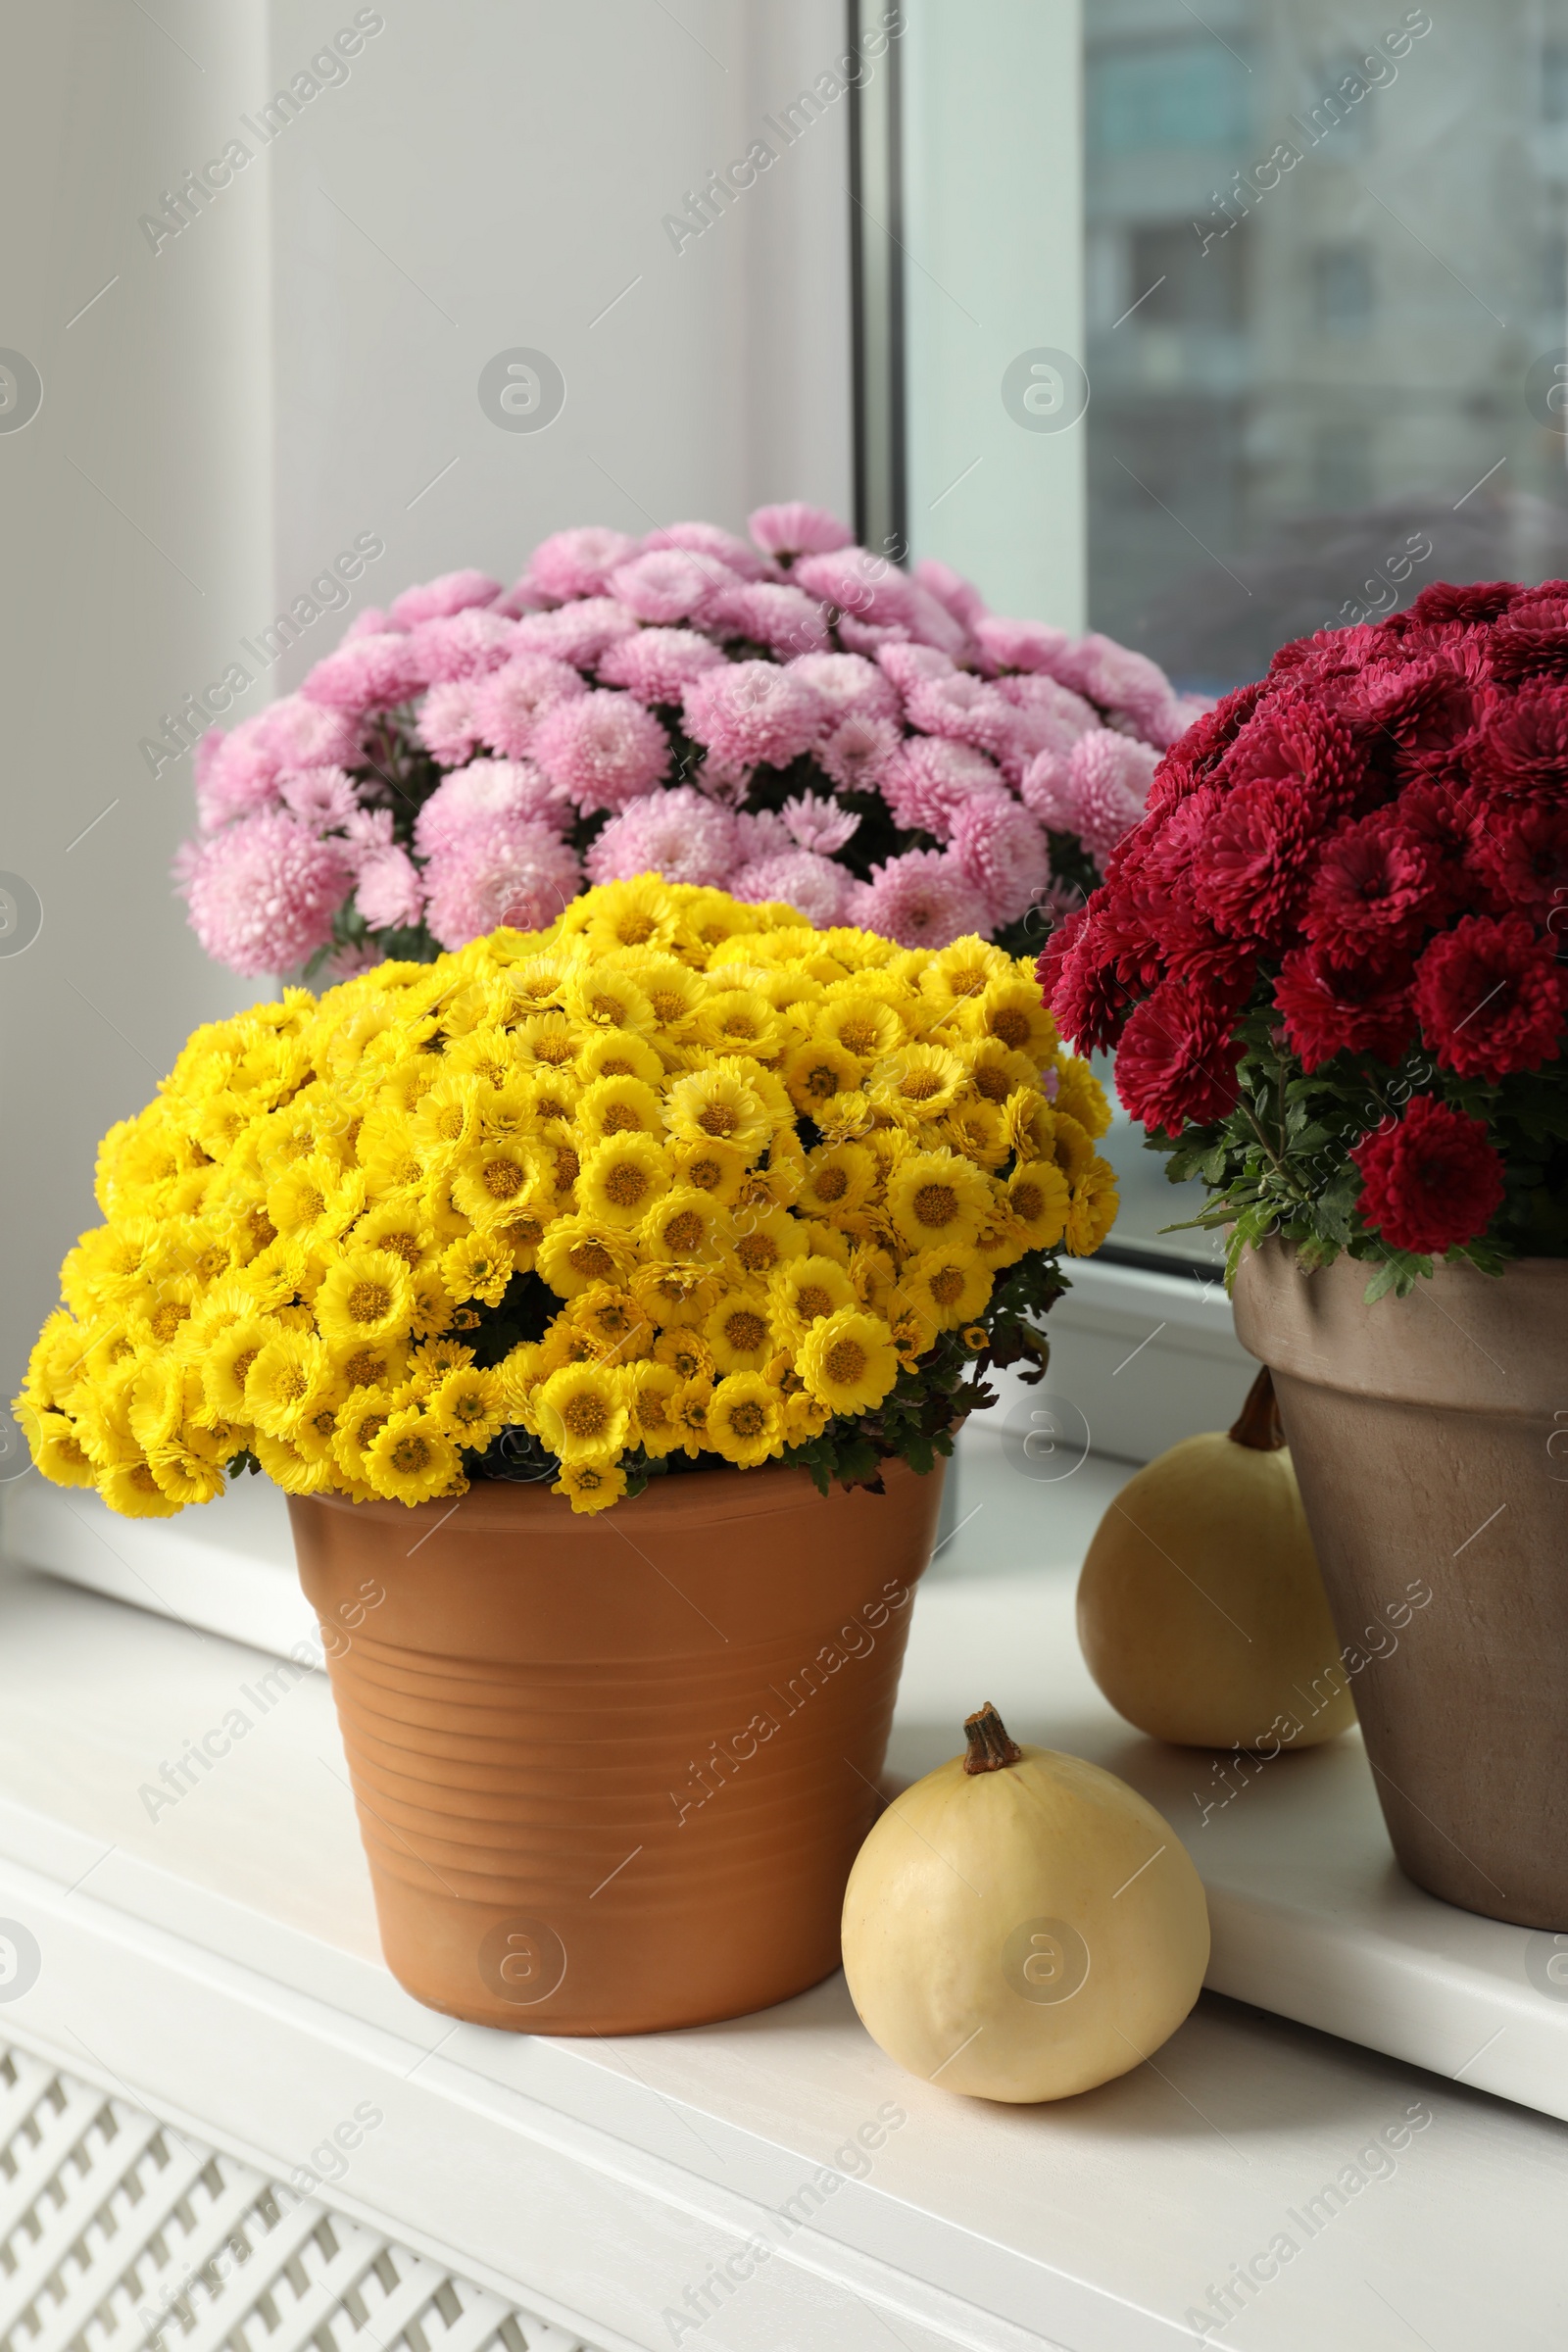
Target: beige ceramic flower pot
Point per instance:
(611, 1772)
(1430, 1435)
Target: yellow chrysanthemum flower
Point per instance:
(603, 997)
(818, 1070)
(737, 1020)
(762, 1240)
(848, 1361)
(1092, 1210)
(684, 1349)
(720, 1106)
(864, 1024)
(582, 1413)
(476, 1267)
(578, 1250)
(917, 1084)
(935, 1197)
(292, 1373)
(685, 1226)
(616, 1053)
(57, 1448)
(365, 1295)
(740, 1331)
(619, 1104)
(715, 1168)
(746, 1419)
(944, 1287)
(1038, 1195)
(494, 1181)
(1079, 1095)
(467, 1407)
(622, 1178)
(1009, 1009)
(590, 1486)
(803, 1292)
(409, 1460)
(654, 1390)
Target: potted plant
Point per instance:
(1329, 961)
(787, 717)
(605, 1300)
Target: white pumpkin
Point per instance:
(1020, 1924)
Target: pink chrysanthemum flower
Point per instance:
(368, 674)
(921, 900)
(574, 564)
(847, 682)
(719, 546)
(446, 724)
(437, 599)
(1000, 848)
(870, 591)
(822, 892)
(366, 834)
(926, 779)
(263, 892)
(670, 584)
(486, 787)
(753, 714)
(510, 703)
(789, 623)
(679, 833)
(464, 645)
(305, 735)
(906, 665)
(501, 871)
(1073, 716)
(793, 529)
(1103, 791)
(603, 748)
(1027, 645)
(951, 590)
(1115, 677)
(577, 633)
(236, 774)
(658, 665)
(322, 798)
(858, 752)
(818, 824)
(962, 707)
(389, 893)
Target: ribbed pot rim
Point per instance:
(1463, 1342)
(701, 1498)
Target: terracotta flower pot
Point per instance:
(1430, 1435)
(611, 1772)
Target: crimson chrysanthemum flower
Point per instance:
(1373, 886)
(1176, 1063)
(1491, 997)
(1357, 1006)
(1432, 1182)
(1521, 850)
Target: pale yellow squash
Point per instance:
(1201, 1607)
(1020, 1924)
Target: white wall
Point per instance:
(516, 163)
(134, 516)
(270, 383)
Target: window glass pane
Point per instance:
(1326, 287)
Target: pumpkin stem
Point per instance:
(990, 1747)
(1259, 1422)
